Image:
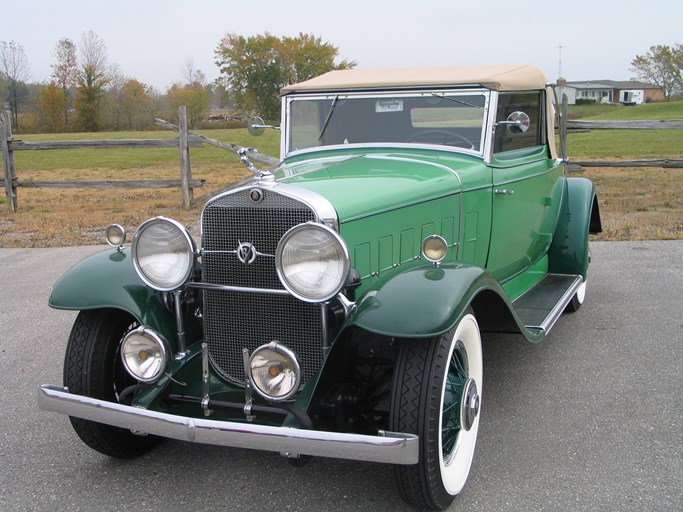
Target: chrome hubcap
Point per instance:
(469, 405)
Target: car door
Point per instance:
(527, 185)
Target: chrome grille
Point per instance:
(234, 320)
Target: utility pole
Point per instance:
(559, 47)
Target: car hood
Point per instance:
(362, 184)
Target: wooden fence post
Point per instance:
(185, 169)
(10, 173)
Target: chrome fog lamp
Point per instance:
(144, 354)
(434, 248)
(163, 253)
(275, 372)
(312, 262)
(115, 235)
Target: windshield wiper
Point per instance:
(456, 101)
(327, 119)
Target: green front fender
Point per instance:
(579, 216)
(421, 302)
(108, 280)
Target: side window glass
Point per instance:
(519, 121)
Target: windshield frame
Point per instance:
(335, 96)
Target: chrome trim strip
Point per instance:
(225, 288)
(386, 447)
(556, 312)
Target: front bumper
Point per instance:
(387, 447)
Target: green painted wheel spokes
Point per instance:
(456, 380)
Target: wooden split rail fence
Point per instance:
(184, 141)
(187, 139)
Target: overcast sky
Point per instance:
(151, 39)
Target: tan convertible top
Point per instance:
(499, 77)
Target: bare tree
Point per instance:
(94, 73)
(190, 75)
(64, 71)
(14, 71)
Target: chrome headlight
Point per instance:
(434, 248)
(312, 262)
(274, 371)
(163, 254)
(144, 354)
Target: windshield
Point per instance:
(445, 118)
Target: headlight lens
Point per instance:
(312, 262)
(434, 248)
(115, 235)
(163, 253)
(144, 355)
(275, 371)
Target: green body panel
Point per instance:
(516, 286)
(425, 301)
(525, 211)
(569, 251)
(373, 182)
(108, 280)
(388, 202)
(420, 302)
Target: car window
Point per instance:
(445, 118)
(519, 121)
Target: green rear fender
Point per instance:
(421, 302)
(108, 280)
(579, 216)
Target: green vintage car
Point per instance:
(335, 303)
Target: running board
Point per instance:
(542, 305)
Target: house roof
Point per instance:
(611, 84)
(498, 77)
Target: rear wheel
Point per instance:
(93, 368)
(436, 395)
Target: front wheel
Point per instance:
(93, 368)
(436, 395)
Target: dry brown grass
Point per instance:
(635, 204)
(639, 203)
(67, 217)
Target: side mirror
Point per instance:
(256, 126)
(517, 122)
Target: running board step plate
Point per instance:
(542, 305)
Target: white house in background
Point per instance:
(627, 92)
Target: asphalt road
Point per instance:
(590, 419)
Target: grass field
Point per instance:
(634, 203)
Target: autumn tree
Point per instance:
(92, 77)
(14, 72)
(255, 68)
(661, 66)
(193, 96)
(136, 104)
(50, 106)
(64, 71)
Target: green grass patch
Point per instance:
(649, 111)
(625, 144)
(119, 159)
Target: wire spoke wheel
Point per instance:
(436, 395)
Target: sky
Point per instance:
(151, 40)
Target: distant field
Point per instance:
(634, 203)
(653, 111)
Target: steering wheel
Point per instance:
(443, 137)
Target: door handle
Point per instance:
(504, 192)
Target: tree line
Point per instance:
(87, 92)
